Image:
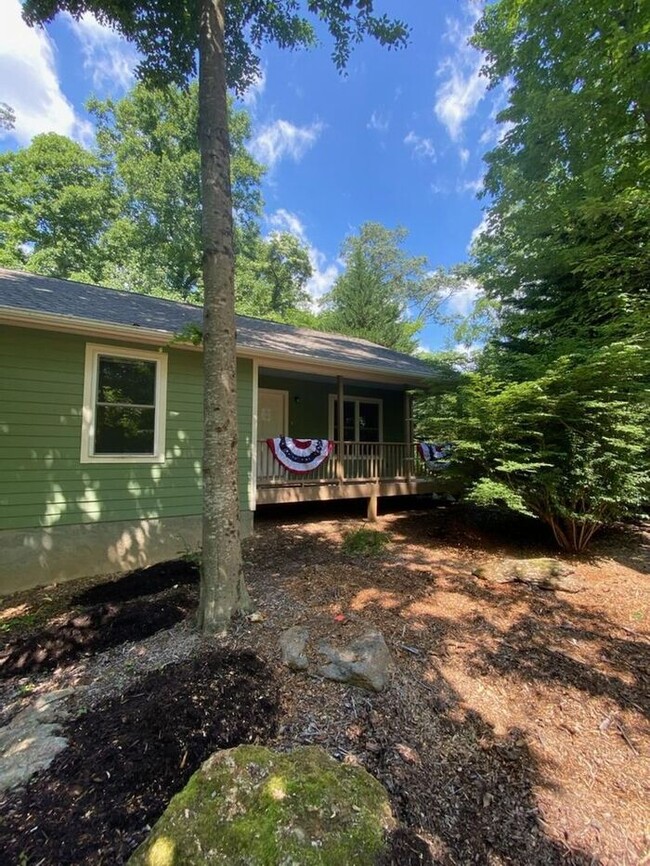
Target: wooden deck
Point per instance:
(366, 470)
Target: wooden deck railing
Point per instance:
(362, 461)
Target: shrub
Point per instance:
(365, 542)
(570, 447)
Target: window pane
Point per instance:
(125, 380)
(124, 430)
(369, 422)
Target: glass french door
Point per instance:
(361, 420)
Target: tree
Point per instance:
(567, 244)
(148, 142)
(169, 34)
(7, 116)
(271, 275)
(371, 298)
(56, 203)
(554, 423)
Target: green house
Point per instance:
(101, 425)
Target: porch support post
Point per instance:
(372, 506)
(408, 433)
(340, 468)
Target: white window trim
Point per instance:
(93, 351)
(347, 398)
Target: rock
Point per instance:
(293, 643)
(31, 741)
(366, 662)
(540, 572)
(250, 806)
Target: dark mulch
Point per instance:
(92, 630)
(142, 581)
(405, 848)
(130, 755)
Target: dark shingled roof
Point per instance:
(47, 295)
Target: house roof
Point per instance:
(82, 306)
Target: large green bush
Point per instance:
(570, 446)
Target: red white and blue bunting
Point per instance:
(436, 456)
(300, 455)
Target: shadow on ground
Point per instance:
(470, 790)
(92, 630)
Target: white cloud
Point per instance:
(30, 83)
(324, 273)
(282, 139)
(421, 146)
(461, 302)
(474, 186)
(108, 57)
(254, 91)
(285, 221)
(378, 122)
(463, 155)
(478, 231)
(462, 87)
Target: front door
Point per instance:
(272, 413)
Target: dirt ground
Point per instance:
(514, 731)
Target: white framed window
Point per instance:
(124, 410)
(363, 419)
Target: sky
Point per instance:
(398, 140)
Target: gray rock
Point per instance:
(293, 643)
(539, 572)
(31, 741)
(365, 663)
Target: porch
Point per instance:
(354, 470)
(369, 421)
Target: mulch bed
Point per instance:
(94, 629)
(130, 755)
(141, 582)
(515, 729)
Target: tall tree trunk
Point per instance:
(223, 591)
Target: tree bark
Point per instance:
(223, 592)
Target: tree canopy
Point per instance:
(555, 420)
(566, 248)
(372, 297)
(167, 32)
(56, 203)
(148, 143)
(128, 213)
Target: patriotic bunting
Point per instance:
(300, 455)
(434, 455)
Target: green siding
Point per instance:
(43, 483)
(309, 405)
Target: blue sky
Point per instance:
(398, 140)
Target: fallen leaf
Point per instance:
(407, 754)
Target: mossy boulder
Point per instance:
(538, 572)
(250, 806)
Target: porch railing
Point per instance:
(362, 461)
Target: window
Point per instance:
(362, 419)
(124, 406)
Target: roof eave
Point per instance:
(153, 336)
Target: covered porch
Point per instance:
(369, 421)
